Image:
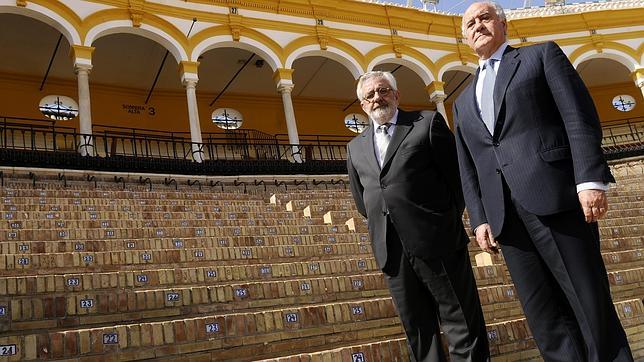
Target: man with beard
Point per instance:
(535, 179)
(404, 178)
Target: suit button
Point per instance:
(384, 187)
(495, 144)
(498, 170)
(385, 213)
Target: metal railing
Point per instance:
(313, 139)
(169, 146)
(237, 134)
(623, 138)
(43, 144)
(623, 132)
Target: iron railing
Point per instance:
(25, 142)
(623, 138)
(622, 132)
(163, 147)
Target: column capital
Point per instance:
(81, 54)
(283, 75)
(638, 77)
(285, 87)
(82, 67)
(189, 82)
(188, 71)
(436, 91)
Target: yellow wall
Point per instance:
(603, 97)
(19, 97)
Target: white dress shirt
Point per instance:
(390, 132)
(498, 57)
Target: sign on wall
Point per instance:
(139, 109)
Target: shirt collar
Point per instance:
(392, 121)
(497, 55)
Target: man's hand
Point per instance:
(594, 203)
(485, 239)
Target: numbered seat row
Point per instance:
(224, 335)
(115, 260)
(156, 243)
(28, 285)
(87, 309)
(18, 234)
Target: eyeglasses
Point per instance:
(382, 91)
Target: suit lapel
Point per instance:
(473, 107)
(507, 69)
(368, 148)
(403, 126)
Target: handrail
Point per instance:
(61, 176)
(260, 182)
(298, 183)
(195, 182)
(33, 178)
(213, 184)
(147, 180)
(237, 183)
(307, 139)
(168, 182)
(118, 179)
(617, 122)
(67, 148)
(237, 133)
(92, 178)
(623, 132)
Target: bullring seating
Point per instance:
(133, 271)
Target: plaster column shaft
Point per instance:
(289, 114)
(193, 117)
(82, 58)
(86, 147)
(283, 79)
(189, 80)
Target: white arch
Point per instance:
(46, 16)
(226, 41)
(340, 56)
(612, 54)
(412, 63)
(146, 31)
(457, 65)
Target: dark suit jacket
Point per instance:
(547, 137)
(418, 187)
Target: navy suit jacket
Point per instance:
(418, 188)
(546, 140)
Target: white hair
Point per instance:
(498, 9)
(375, 74)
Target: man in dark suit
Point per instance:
(534, 178)
(404, 178)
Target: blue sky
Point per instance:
(459, 6)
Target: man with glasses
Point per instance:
(404, 178)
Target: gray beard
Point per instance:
(382, 114)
